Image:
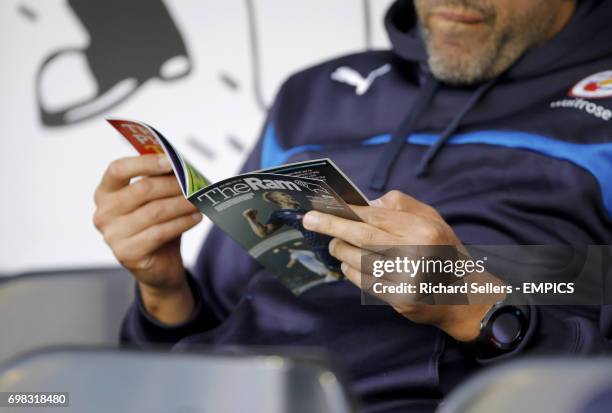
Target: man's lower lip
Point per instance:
(459, 17)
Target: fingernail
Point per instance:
(376, 202)
(164, 163)
(331, 245)
(343, 267)
(197, 216)
(311, 220)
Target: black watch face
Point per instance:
(506, 328)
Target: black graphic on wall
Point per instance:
(254, 47)
(131, 41)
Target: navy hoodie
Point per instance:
(525, 158)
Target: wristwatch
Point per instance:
(502, 329)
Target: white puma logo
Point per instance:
(352, 77)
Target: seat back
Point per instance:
(546, 385)
(62, 307)
(102, 381)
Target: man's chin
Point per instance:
(460, 71)
(457, 63)
(459, 40)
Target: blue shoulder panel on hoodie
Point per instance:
(595, 158)
(272, 154)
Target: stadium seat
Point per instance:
(107, 380)
(62, 307)
(547, 385)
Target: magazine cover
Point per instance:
(324, 170)
(147, 140)
(263, 210)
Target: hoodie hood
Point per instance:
(571, 46)
(402, 28)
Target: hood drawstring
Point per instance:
(432, 152)
(394, 146)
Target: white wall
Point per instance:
(48, 173)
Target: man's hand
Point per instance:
(398, 219)
(142, 221)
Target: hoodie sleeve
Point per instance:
(218, 281)
(140, 328)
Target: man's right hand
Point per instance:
(142, 221)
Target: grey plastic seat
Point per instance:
(102, 381)
(546, 385)
(62, 307)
